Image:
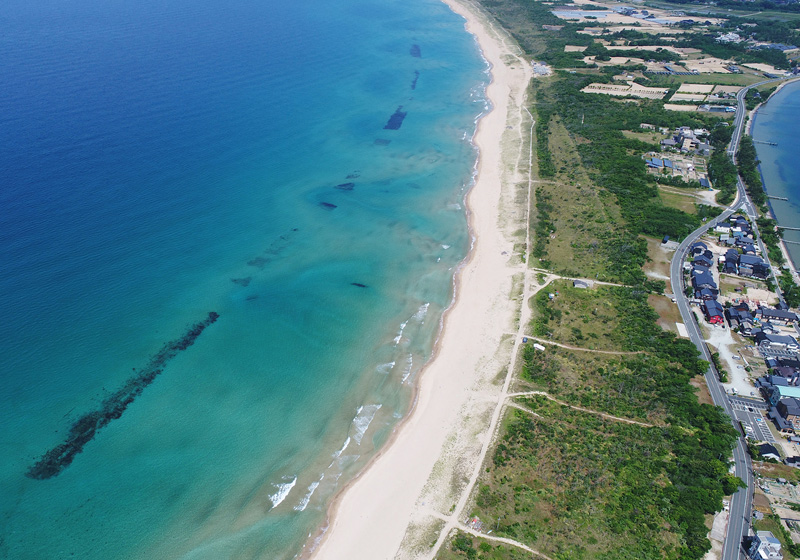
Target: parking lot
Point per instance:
(742, 402)
(751, 415)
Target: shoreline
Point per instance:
(370, 516)
(793, 271)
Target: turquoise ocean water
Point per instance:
(164, 160)
(777, 122)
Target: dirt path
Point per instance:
(503, 540)
(612, 352)
(452, 521)
(575, 407)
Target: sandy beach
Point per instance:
(420, 481)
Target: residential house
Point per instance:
(741, 221)
(739, 316)
(793, 362)
(713, 312)
(730, 262)
(702, 260)
(769, 341)
(746, 245)
(779, 316)
(698, 248)
(769, 451)
(783, 372)
(751, 265)
(765, 547)
(783, 425)
(705, 294)
(702, 278)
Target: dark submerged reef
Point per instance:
(346, 186)
(396, 120)
(414, 81)
(86, 427)
(358, 284)
(416, 52)
(327, 205)
(242, 281)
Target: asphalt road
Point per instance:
(742, 501)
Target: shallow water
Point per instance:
(776, 122)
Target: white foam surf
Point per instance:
(386, 368)
(409, 367)
(282, 492)
(307, 498)
(421, 312)
(400, 333)
(363, 419)
(339, 453)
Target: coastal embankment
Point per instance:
(422, 472)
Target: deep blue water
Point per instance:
(163, 160)
(777, 122)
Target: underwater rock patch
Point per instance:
(86, 427)
(258, 262)
(416, 52)
(396, 120)
(244, 282)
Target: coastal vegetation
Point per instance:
(748, 169)
(606, 451)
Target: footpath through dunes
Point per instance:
(370, 520)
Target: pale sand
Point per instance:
(371, 518)
(695, 88)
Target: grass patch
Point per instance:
(650, 137)
(668, 312)
(683, 202)
(658, 261)
(576, 317)
(776, 470)
(574, 485)
(574, 220)
(701, 390)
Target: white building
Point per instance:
(765, 547)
